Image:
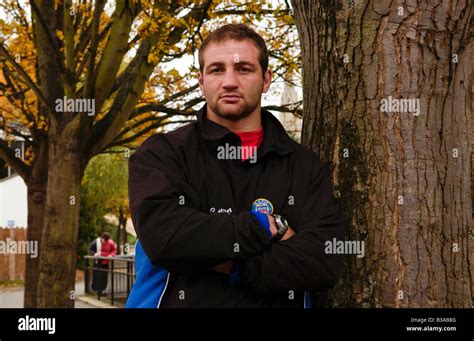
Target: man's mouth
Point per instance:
(230, 98)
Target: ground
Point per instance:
(11, 294)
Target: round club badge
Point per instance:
(262, 205)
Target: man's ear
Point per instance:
(267, 80)
(200, 81)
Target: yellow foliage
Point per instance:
(153, 20)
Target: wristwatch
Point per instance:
(282, 227)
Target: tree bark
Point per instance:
(36, 202)
(61, 220)
(36, 183)
(403, 179)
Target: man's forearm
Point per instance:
(227, 267)
(180, 237)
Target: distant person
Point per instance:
(103, 246)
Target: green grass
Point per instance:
(11, 283)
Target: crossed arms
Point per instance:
(183, 239)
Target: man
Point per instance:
(229, 211)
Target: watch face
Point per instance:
(280, 222)
(283, 222)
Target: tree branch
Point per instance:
(287, 108)
(49, 68)
(68, 39)
(8, 155)
(49, 36)
(192, 102)
(99, 7)
(144, 131)
(180, 93)
(169, 113)
(128, 95)
(22, 19)
(25, 76)
(158, 107)
(87, 58)
(115, 49)
(243, 11)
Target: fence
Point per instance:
(112, 281)
(12, 262)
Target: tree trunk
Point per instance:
(403, 176)
(61, 221)
(37, 183)
(36, 205)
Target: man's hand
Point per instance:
(273, 228)
(226, 267)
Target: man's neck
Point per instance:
(252, 122)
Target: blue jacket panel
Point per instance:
(149, 284)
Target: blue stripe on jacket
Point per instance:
(149, 284)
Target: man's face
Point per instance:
(231, 80)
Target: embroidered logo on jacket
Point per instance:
(262, 205)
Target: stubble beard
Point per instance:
(233, 116)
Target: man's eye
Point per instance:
(244, 69)
(215, 70)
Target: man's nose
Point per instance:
(229, 81)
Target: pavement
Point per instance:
(13, 298)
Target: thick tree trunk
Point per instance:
(403, 177)
(61, 221)
(36, 206)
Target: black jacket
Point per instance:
(177, 186)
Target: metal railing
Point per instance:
(112, 280)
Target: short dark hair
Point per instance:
(105, 236)
(237, 32)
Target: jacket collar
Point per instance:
(275, 137)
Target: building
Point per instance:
(13, 193)
(13, 217)
(13, 202)
(291, 123)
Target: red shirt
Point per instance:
(108, 248)
(251, 139)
